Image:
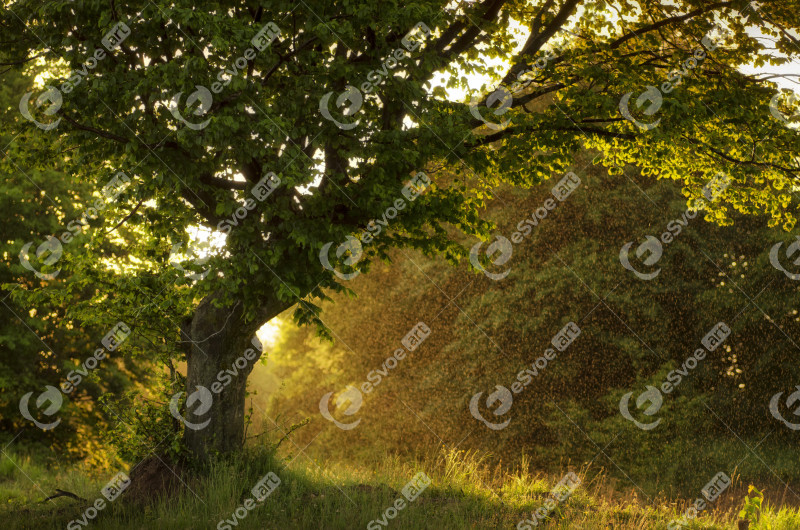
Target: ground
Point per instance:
(463, 493)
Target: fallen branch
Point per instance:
(62, 493)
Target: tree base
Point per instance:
(153, 478)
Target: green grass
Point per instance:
(464, 493)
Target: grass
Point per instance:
(464, 492)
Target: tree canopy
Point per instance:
(317, 136)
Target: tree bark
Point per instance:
(220, 341)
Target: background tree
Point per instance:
(633, 333)
(167, 103)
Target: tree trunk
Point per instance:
(219, 360)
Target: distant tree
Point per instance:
(640, 332)
(293, 127)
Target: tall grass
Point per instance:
(464, 493)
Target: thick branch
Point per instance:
(671, 20)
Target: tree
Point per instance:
(559, 273)
(295, 130)
(43, 346)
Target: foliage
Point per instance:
(752, 505)
(634, 332)
(118, 117)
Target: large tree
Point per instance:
(295, 128)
